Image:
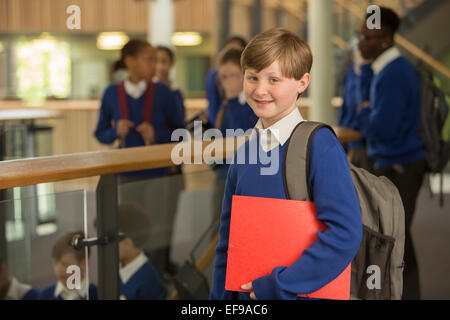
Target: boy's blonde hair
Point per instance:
(292, 53)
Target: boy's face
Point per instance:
(231, 78)
(271, 95)
(60, 267)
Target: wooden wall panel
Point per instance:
(136, 16)
(194, 15)
(23, 16)
(3, 15)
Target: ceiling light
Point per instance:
(111, 40)
(183, 39)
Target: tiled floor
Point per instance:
(431, 236)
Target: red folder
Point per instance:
(266, 233)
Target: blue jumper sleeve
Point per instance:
(337, 207)
(173, 116)
(382, 119)
(213, 95)
(105, 132)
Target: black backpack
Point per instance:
(382, 215)
(434, 114)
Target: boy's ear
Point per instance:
(303, 83)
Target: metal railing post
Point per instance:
(107, 226)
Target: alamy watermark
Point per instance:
(73, 281)
(253, 153)
(374, 20)
(74, 20)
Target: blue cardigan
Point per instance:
(336, 205)
(390, 124)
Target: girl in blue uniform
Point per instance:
(165, 60)
(137, 111)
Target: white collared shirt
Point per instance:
(241, 98)
(278, 133)
(73, 294)
(384, 59)
(17, 290)
(130, 269)
(135, 89)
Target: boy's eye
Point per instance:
(273, 80)
(252, 78)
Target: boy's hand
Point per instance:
(147, 132)
(123, 127)
(249, 286)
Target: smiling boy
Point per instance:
(276, 66)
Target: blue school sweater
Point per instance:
(336, 205)
(32, 294)
(237, 116)
(390, 124)
(49, 293)
(144, 284)
(167, 116)
(180, 100)
(213, 95)
(352, 96)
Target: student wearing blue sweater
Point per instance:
(358, 76)
(65, 255)
(214, 89)
(234, 113)
(165, 61)
(389, 122)
(276, 66)
(138, 112)
(138, 278)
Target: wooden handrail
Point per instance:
(403, 42)
(17, 173)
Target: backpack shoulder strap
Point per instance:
(296, 164)
(122, 99)
(147, 111)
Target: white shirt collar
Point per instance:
(17, 290)
(130, 269)
(74, 294)
(135, 89)
(241, 98)
(278, 133)
(384, 59)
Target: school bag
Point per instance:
(434, 127)
(377, 269)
